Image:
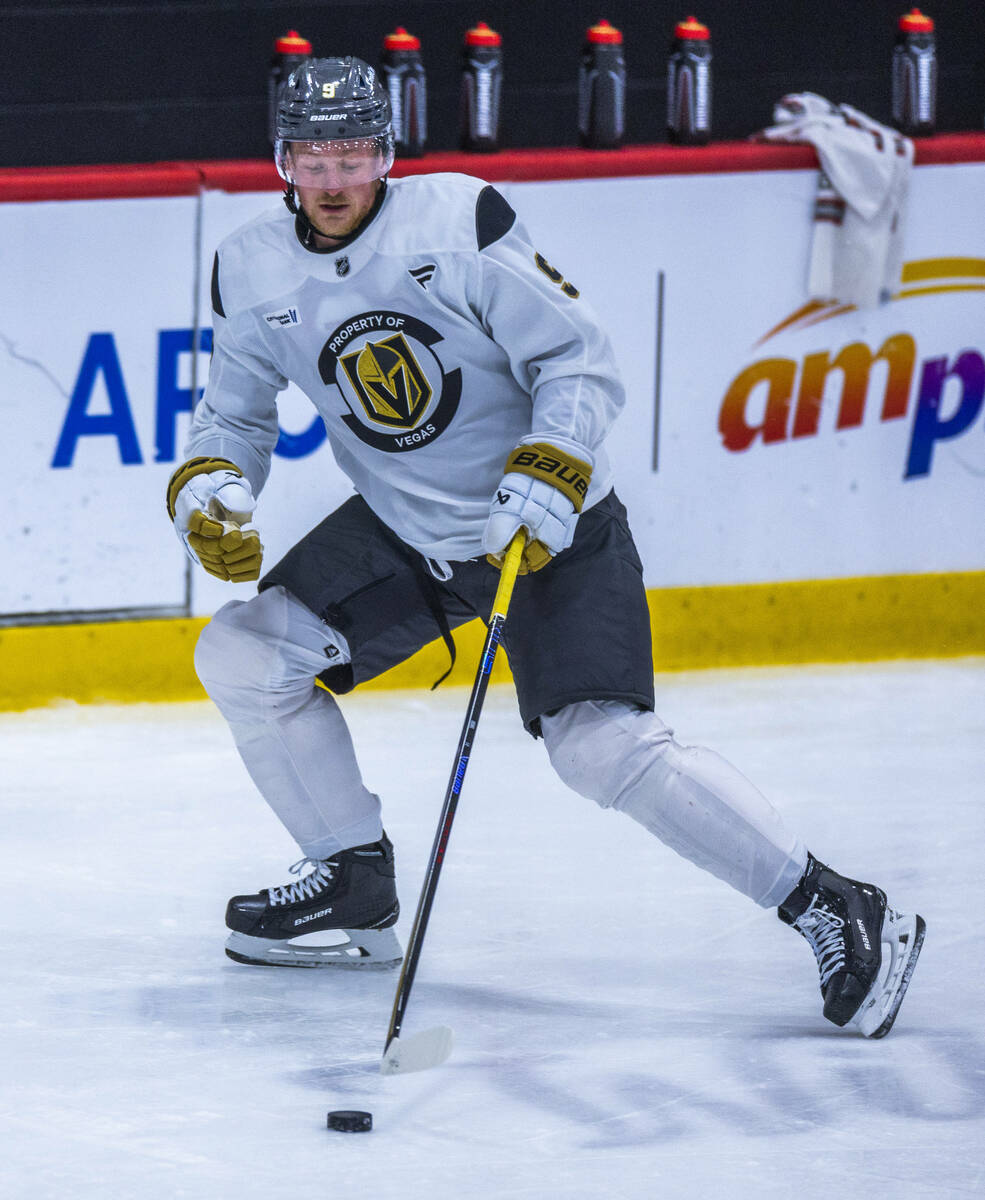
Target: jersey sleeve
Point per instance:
(557, 350)
(237, 415)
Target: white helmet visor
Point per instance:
(333, 165)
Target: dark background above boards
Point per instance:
(90, 82)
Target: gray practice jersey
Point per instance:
(432, 345)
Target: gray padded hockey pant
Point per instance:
(258, 661)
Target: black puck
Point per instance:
(348, 1120)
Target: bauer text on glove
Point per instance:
(543, 490)
(211, 505)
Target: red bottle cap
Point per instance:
(604, 34)
(400, 39)
(482, 35)
(915, 22)
(691, 30)
(292, 43)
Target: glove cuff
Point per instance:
(571, 476)
(191, 468)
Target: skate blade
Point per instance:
(901, 950)
(419, 1052)
(362, 949)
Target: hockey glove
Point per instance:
(543, 490)
(211, 505)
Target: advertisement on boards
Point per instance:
(767, 437)
(95, 358)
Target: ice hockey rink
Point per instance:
(626, 1027)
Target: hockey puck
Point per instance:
(350, 1121)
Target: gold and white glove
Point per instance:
(211, 504)
(543, 490)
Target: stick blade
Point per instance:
(419, 1052)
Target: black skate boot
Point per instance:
(339, 914)
(865, 950)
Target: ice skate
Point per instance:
(340, 914)
(865, 950)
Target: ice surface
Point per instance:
(625, 1026)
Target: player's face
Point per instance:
(336, 191)
(335, 213)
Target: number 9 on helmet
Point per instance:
(333, 125)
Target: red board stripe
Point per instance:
(111, 181)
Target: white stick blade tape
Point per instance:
(419, 1052)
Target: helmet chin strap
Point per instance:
(306, 231)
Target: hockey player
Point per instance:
(467, 390)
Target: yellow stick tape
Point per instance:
(826, 620)
(507, 575)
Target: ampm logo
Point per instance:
(790, 391)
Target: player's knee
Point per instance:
(245, 649)
(220, 660)
(600, 748)
(258, 660)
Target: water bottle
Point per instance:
(915, 76)
(290, 51)
(602, 88)
(482, 78)
(403, 77)
(689, 84)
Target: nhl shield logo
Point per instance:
(342, 266)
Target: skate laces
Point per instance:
(823, 930)
(306, 888)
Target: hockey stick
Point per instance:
(431, 1047)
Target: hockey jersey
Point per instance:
(431, 345)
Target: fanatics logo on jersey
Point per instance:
(280, 319)
(385, 365)
(422, 275)
(342, 266)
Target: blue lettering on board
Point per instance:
(100, 359)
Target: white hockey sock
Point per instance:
(689, 797)
(258, 661)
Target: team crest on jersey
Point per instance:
(388, 380)
(398, 393)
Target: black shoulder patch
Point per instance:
(216, 297)
(493, 217)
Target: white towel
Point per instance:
(860, 206)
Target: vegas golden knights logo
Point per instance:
(388, 371)
(389, 381)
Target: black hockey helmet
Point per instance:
(335, 107)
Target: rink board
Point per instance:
(804, 483)
(835, 620)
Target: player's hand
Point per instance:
(211, 505)
(543, 491)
